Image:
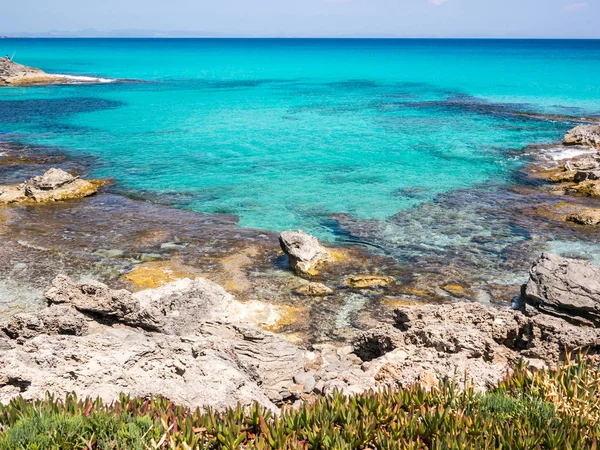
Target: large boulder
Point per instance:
(565, 287)
(304, 251)
(588, 135)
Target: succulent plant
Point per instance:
(558, 409)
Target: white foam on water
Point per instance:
(83, 78)
(561, 152)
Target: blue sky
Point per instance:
(310, 18)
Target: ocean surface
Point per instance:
(342, 138)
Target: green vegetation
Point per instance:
(528, 410)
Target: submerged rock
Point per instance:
(313, 289)
(566, 288)
(588, 135)
(304, 251)
(54, 185)
(368, 281)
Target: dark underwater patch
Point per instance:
(50, 110)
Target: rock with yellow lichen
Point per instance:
(586, 217)
(54, 185)
(313, 290)
(589, 188)
(368, 281)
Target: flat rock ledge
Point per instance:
(185, 341)
(54, 185)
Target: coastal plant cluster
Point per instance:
(557, 409)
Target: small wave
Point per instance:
(83, 78)
(560, 153)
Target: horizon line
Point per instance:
(311, 37)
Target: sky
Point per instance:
(304, 18)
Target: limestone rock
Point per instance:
(313, 289)
(565, 287)
(588, 188)
(586, 217)
(584, 163)
(586, 175)
(52, 179)
(588, 135)
(60, 319)
(304, 251)
(96, 298)
(368, 281)
(174, 308)
(54, 185)
(12, 194)
(446, 340)
(222, 366)
(190, 357)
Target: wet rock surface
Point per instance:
(53, 185)
(368, 281)
(313, 289)
(590, 216)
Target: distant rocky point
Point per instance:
(14, 74)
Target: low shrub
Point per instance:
(557, 409)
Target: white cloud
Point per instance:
(437, 2)
(576, 6)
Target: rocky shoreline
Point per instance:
(173, 332)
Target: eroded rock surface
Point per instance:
(445, 341)
(89, 341)
(590, 216)
(588, 135)
(304, 251)
(565, 287)
(54, 185)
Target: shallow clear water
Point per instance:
(287, 133)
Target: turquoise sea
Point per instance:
(292, 133)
